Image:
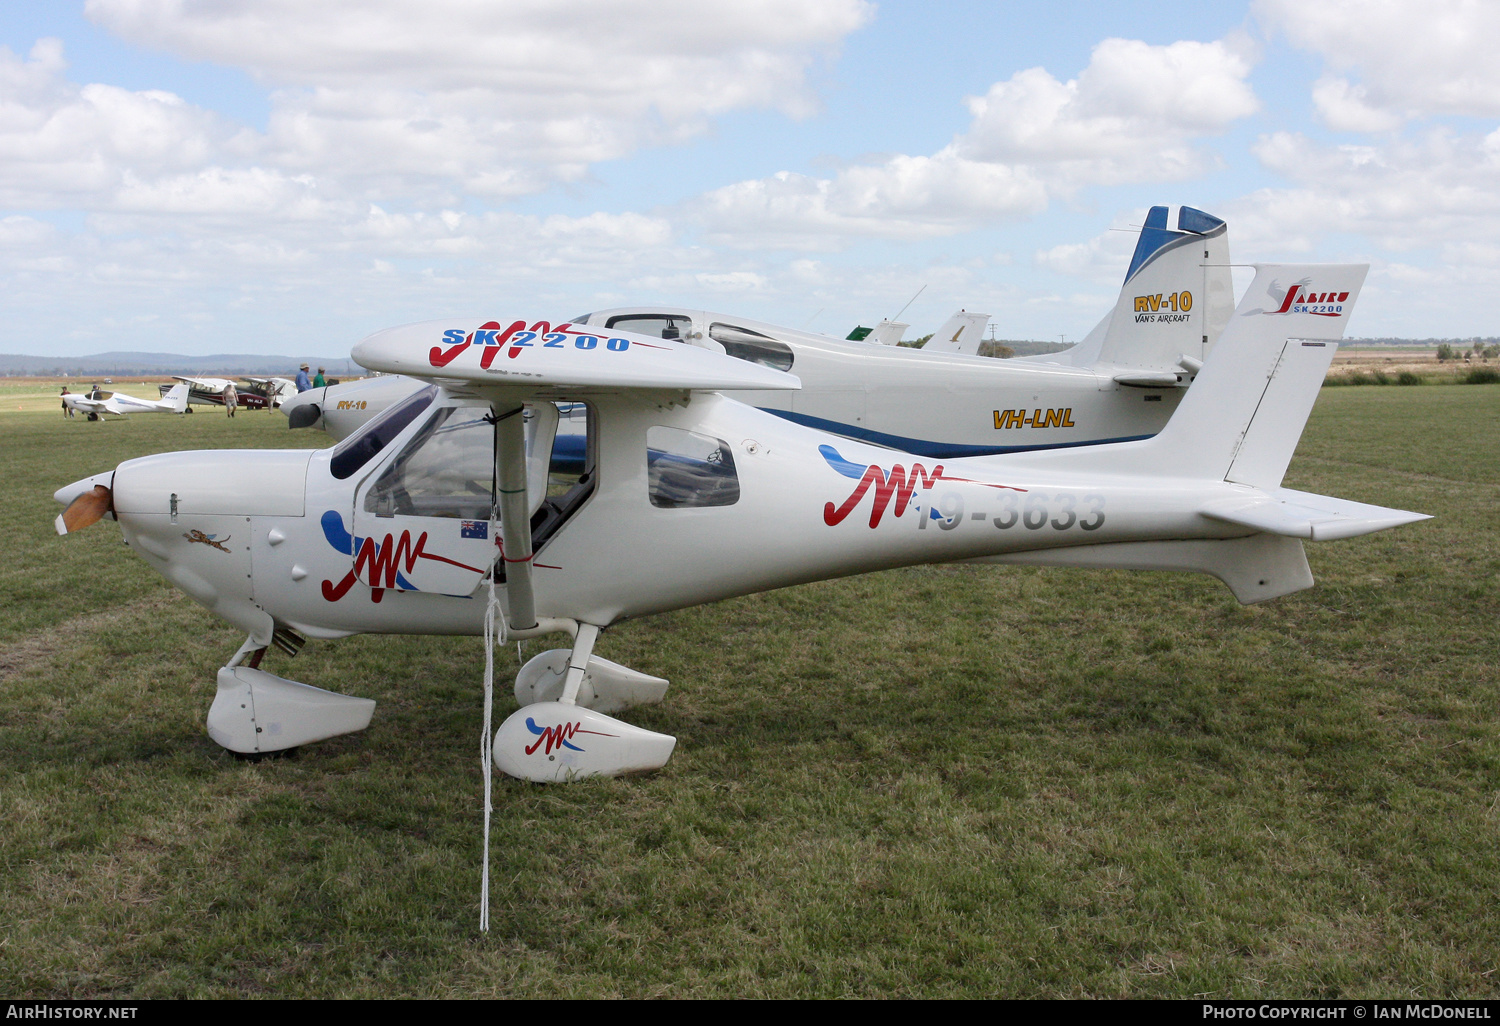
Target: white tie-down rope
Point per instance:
(494, 634)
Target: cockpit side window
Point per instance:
(448, 468)
(685, 469)
(657, 325)
(752, 346)
(358, 449)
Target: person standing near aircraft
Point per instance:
(67, 410)
(231, 398)
(303, 384)
(320, 381)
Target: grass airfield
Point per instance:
(937, 782)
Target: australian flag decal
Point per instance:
(474, 529)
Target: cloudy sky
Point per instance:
(285, 176)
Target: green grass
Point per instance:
(942, 781)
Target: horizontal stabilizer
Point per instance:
(1294, 514)
(1151, 379)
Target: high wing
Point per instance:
(274, 389)
(565, 362)
(205, 384)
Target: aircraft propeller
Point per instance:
(86, 509)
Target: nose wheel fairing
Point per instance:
(256, 712)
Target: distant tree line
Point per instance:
(1478, 350)
(1461, 343)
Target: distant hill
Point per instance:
(142, 364)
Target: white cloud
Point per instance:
(732, 281)
(63, 144)
(501, 98)
(1345, 107)
(1426, 193)
(1413, 57)
(392, 125)
(1132, 111)
(907, 197)
(1103, 258)
(1133, 115)
(1423, 211)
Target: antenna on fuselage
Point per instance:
(909, 302)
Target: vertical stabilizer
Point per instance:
(1245, 412)
(887, 333)
(961, 333)
(1177, 298)
(1247, 409)
(177, 397)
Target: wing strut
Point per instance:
(515, 519)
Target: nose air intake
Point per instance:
(304, 416)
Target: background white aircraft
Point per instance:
(210, 391)
(95, 402)
(1122, 382)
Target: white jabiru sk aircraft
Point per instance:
(118, 403)
(687, 497)
(1121, 382)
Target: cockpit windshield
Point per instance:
(358, 449)
(672, 326)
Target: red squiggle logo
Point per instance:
(559, 736)
(895, 484)
(380, 565)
